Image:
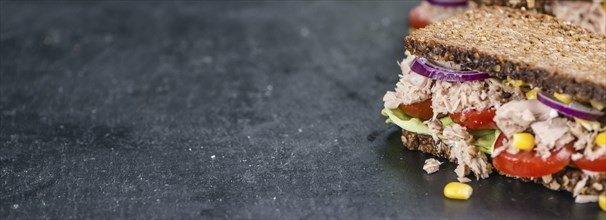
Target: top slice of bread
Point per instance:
(539, 49)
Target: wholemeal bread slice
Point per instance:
(535, 48)
(570, 179)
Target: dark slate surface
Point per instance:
(226, 110)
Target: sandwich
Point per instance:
(497, 89)
(590, 14)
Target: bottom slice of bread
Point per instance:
(569, 179)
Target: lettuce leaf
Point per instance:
(408, 123)
(405, 122)
(485, 139)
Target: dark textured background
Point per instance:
(227, 110)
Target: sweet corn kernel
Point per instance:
(589, 125)
(602, 202)
(532, 94)
(563, 97)
(523, 141)
(514, 83)
(600, 139)
(597, 105)
(456, 190)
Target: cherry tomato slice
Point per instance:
(421, 110)
(475, 120)
(597, 165)
(527, 164)
(415, 21)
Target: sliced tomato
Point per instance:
(527, 164)
(597, 165)
(415, 21)
(475, 120)
(421, 110)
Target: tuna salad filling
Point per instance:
(587, 14)
(483, 118)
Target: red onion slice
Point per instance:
(574, 109)
(448, 2)
(423, 67)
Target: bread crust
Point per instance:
(505, 42)
(565, 180)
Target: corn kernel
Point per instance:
(532, 94)
(563, 97)
(602, 202)
(514, 83)
(523, 141)
(456, 190)
(597, 105)
(600, 139)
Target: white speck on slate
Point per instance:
(108, 38)
(304, 32)
(269, 89)
(15, 206)
(212, 157)
(207, 59)
(385, 21)
(300, 130)
(274, 198)
(189, 149)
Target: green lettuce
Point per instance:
(404, 121)
(408, 123)
(485, 139)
